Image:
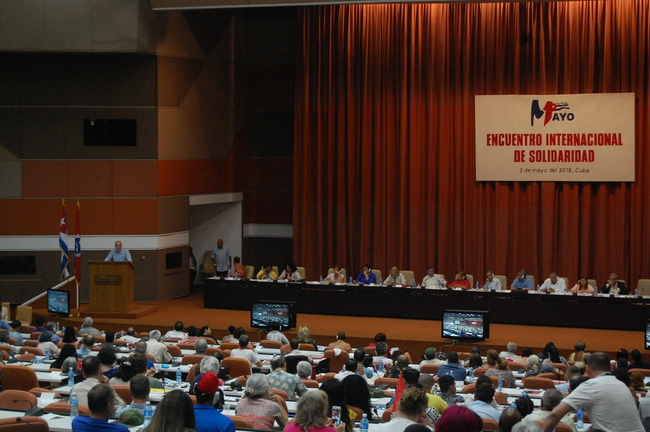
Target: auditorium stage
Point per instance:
(413, 335)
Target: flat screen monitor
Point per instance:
(465, 325)
(647, 335)
(266, 312)
(58, 302)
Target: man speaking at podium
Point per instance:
(119, 254)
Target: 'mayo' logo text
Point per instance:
(551, 112)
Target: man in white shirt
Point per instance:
(553, 284)
(492, 283)
(244, 352)
(158, 349)
(510, 354)
(380, 354)
(276, 335)
(92, 367)
(130, 336)
(432, 280)
(177, 333)
(350, 369)
(607, 400)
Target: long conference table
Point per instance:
(505, 307)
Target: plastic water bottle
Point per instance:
(478, 287)
(514, 404)
(70, 378)
(440, 283)
(321, 279)
(350, 280)
(364, 424)
(415, 284)
(269, 277)
(524, 393)
(500, 387)
(381, 282)
(471, 374)
(148, 413)
(381, 366)
(74, 406)
(539, 289)
(47, 354)
(580, 421)
(179, 376)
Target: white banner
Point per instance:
(586, 137)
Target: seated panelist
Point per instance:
(583, 287)
(460, 281)
(290, 272)
(336, 276)
(614, 286)
(553, 284)
(522, 282)
(267, 270)
(395, 277)
(366, 277)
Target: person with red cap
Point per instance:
(208, 419)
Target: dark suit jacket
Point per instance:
(621, 286)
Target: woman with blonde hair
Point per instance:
(312, 415)
(304, 336)
(501, 370)
(492, 357)
(412, 410)
(395, 277)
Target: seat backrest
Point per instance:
(390, 382)
(18, 378)
(386, 415)
(285, 349)
(429, 368)
(490, 424)
(538, 383)
(174, 350)
(532, 279)
(312, 384)
(24, 314)
(194, 359)
(516, 366)
(377, 274)
(560, 427)
(124, 392)
(566, 282)
(213, 350)
(249, 272)
(151, 357)
(470, 279)
(24, 400)
(31, 343)
(358, 411)
(35, 335)
(275, 269)
(560, 366)
(32, 350)
(549, 375)
(64, 408)
(369, 350)
(189, 346)
(238, 366)
(593, 283)
(337, 362)
(501, 398)
(409, 276)
(292, 362)
(25, 357)
(208, 265)
(469, 388)
(229, 345)
(271, 343)
(26, 424)
(325, 377)
(643, 285)
(504, 281)
(301, 271)
(191, 375)
(480, 371)
(283, 394)
(209, 340)
(241, 422)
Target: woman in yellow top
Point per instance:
(267, 271)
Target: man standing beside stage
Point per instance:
(119, 254)
(221, 259)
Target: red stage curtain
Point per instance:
(384, 138)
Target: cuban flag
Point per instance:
(63, 243)
(77, 245)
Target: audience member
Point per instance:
(447, 385)
(357, 393)
(87, 328)
(230, 335)
(380, 353)
(208, 419)
(258, 404)
(335, 397)
(523, 358)
(304, 336)
(575, 380)
(142, 368)
(491, 358)
(45, 343)
(350, 369)
(426, 382)
(459, 418)
(401, 364)
(340, 343)
(412, 409)
(201, 347)
(192, 336)
(312, 415)
(637, 381)
(564, 387)
(40, 322)
(483, 400)
(85, 345)
(158, 349)
(276, 335)
(579, 353)
(534, 367)
(282, 380)
(555, 357)
(550, 400)
(509, 417)
(101, 402)
(177, 333)
(608, 401)
(15, 332)
(108, 358)
(92, 368)
(637, 361)
(510, 354)
(130, 336)
(475, 361)
(205, 331)
(243, 352)
(4, 340)
(51, 327)
(453, 367)
(304, 369)
(525, 405)
(501, 370)
(67, 351)
(430, 357)
(139, 386)
(124, 373)
(528, 427)
(174, 414)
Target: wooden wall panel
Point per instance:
(90, 178)
(197, 176)
(40, 216)
(96, 216)
(263, 207)
(173, 214)
(135, 216)
(10, 217)
(44, 178)
(135, 178)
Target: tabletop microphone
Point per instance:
(32, 411)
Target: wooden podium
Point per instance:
(111, 286)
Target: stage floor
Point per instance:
(412, 335)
